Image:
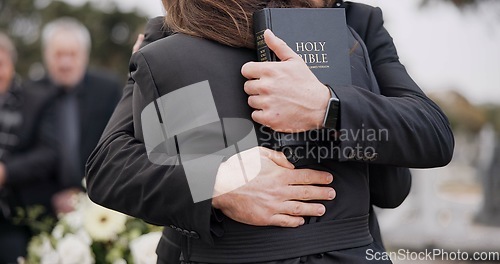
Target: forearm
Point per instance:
(120, 177)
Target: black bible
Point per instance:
(318, 35)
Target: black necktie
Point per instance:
(69, 123)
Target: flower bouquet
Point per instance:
(94, 234)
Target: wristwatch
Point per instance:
(332, 110)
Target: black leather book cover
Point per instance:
(318, 35)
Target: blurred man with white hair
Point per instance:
(83, 104)
(27, 153)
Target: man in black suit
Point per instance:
(389, 186)
(84, 101)
(103, 187)
(27, 153)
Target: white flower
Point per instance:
(120, 261)
(58, 232)
(73, 220)
(40, 246)
(103, 224)
(143, 248)
(84, 236)
(72, 250)
(50, 258)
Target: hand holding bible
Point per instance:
(286, 95)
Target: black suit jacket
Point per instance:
(389, 185)
(97, 95)
(31, 161)
(400, 94)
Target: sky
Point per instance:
(442, 48)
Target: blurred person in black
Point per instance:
(27, 153)
(84, 101)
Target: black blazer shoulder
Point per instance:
(167, 64)
(368, 22)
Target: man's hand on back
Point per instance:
(275, 195)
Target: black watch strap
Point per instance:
(332, 110)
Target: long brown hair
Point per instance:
(226, 21)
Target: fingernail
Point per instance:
(331, 194)
(321, 210)
(302, 221)
(329, 178)
(270, 32)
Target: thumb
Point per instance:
(279, 47)
(277, 157)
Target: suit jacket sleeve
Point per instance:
(121, 177)
(415, 131)
(389, 186)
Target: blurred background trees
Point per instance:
(476, 126)
(113, 31)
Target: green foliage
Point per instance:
(113, 31)
(36, 218)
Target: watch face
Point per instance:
(332, 113)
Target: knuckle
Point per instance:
(270, 122)
(255, 102)
(262, 151)
(284, 222)
(275, 192)
(246, 87)
(264, 103)
(265, 220)
(289, 67)
(320, 177)
(271, 71)
(307, 178)
(306, 193)
(297, 209)
(284, 177)
(294, 179)
(264, 88)
(257, 116)
(282, 44)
